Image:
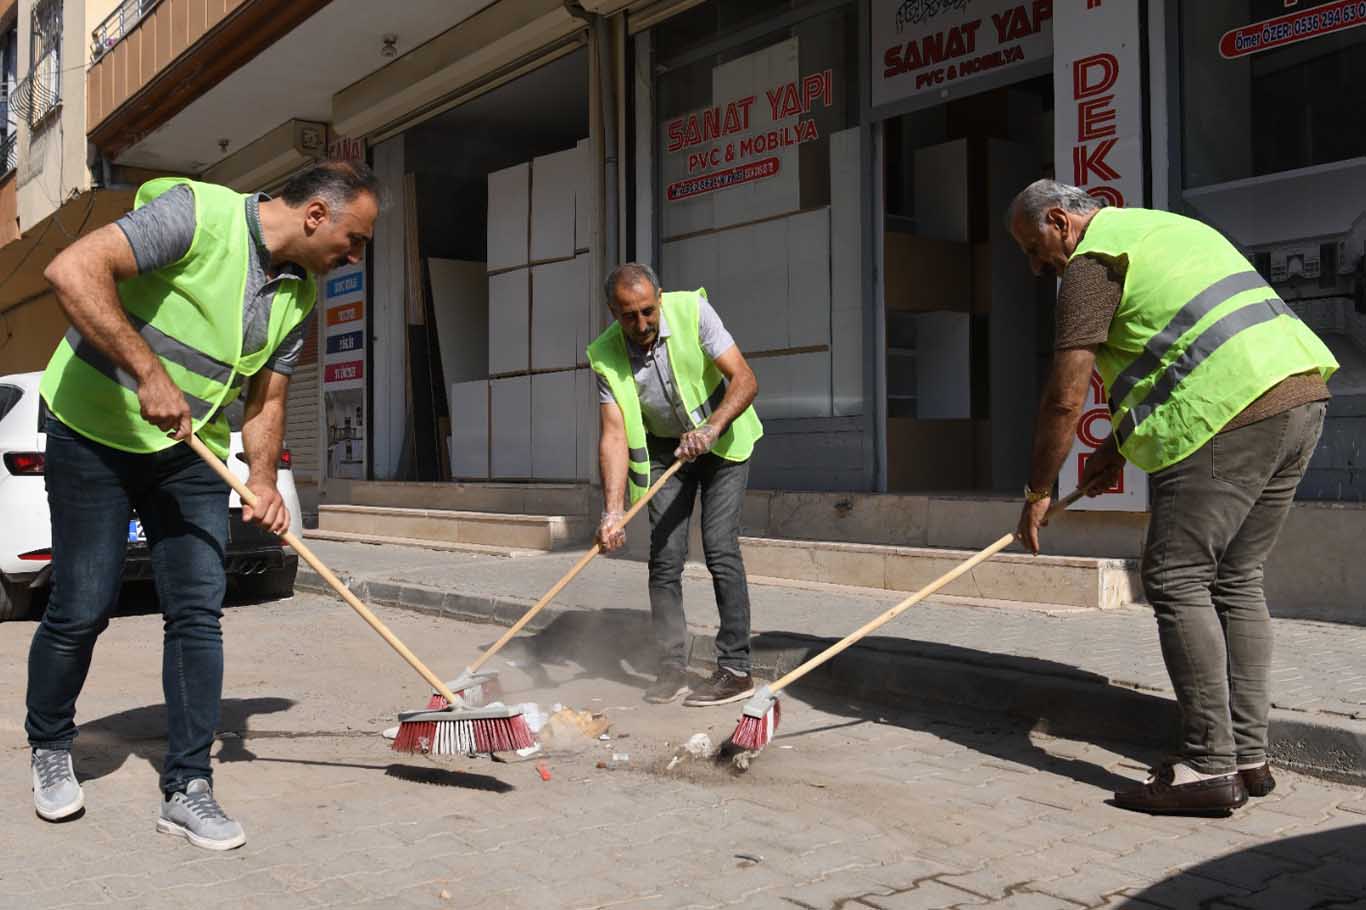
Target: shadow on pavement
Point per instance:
(446, 777)
(986, 702)
(1319, 871)
(107, 742)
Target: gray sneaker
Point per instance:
(56, 795)
(196, 816)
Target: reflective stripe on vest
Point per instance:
(1206, 343)
(1185, 319)
(168, 348)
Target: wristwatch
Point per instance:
(1033, 496)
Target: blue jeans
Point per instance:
(722, 484)
(91, 491)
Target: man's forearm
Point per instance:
(739, 396)
(1053, 433)
(263, 437)
(91, 303)
(613, 463)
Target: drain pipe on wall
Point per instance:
(603, 69)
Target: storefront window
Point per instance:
(1267, 89)
(745, 131)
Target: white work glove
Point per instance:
(611, 537)
(696, 443)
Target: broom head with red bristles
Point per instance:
(758, 721)
(473, 689)
(463, 731)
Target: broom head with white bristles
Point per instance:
(463, 731)
(758, 721)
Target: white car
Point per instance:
(258, 564)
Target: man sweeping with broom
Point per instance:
(673, 385)
(1218, 392)
(198, 293)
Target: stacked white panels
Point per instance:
(509, 314)
(510, 427)
(554, 184)
(554, 427)
(773, 293)
(509, 217)
(469, 403)
(559, 313)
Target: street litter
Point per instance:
(698, 746)
(621, 756)
(567, 728)
(542, 770)
(749, 857)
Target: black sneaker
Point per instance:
(723, 688)
(672, 682)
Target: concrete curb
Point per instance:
(891, 671)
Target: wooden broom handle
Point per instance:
(874, 624)
(249, 498)
(578, 567)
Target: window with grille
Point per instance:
(9, 121)
(45, 61)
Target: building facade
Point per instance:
(833, 172)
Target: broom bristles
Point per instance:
(458, 735)
(755, 732)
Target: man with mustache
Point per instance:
(1218, 392)
(198, 293)
(673, 384)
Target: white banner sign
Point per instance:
(924, 46)
(1098, 146)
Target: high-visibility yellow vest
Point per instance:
(699, 383)
(1197, 337)
(190, 315)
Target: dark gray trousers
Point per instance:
(722, 485)
(1215, 517)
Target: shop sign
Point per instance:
(343, 353)
(924, 46)
(1292, 28)
(1098, 146)
(726, 147)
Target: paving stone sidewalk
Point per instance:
(1319, 669)
(852, 807)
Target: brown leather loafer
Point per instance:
(1160, 796)
(1258, 781)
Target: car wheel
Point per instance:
(16, 600)
(273, 585)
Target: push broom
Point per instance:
(761, 713)
(447, 732)
(474, 687)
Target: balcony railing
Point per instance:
(120, 22)
(37, 95)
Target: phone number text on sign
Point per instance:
(1283, 30)
(745, 173)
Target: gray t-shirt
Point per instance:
(660, 405)
(160, 234)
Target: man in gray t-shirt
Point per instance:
(169, 339)
(672, 432)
